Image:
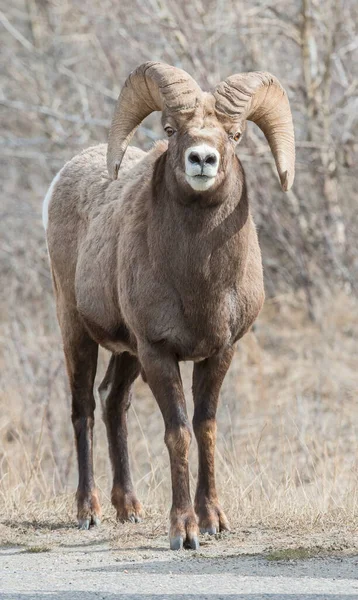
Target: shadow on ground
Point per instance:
(238, 565)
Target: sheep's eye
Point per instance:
(169, 131)
(236, 136)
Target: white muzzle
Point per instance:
(201, 166)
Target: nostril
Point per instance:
(194, 158)
(211, 160)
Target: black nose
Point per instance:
(196, 159)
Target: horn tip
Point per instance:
(286, 179)
(113, 169)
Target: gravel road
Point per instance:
(99, 571)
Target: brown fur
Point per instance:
(156, 273)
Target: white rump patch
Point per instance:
(47, 200)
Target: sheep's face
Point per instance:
(201, 147)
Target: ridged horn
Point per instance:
(151, 86)
(259, 97)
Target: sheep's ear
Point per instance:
(259, 97)
(152, 86)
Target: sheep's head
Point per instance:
(201, 146)
(203, 128)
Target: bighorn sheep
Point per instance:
(159, 262)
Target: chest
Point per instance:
(190, 291)
(192, 325)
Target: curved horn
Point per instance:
(259, 97)
(151, 86)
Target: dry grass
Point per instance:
(287, 442)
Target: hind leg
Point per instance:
(116, 398)
(81, 360)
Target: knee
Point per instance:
(205, 430)
(83, 405)
(204, 416)
(104, 391)
(82, 424)
(115, 403)
(178, 439)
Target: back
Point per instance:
(76, 195)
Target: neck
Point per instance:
(228, 192)
(200, 238)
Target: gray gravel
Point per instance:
(99, 572)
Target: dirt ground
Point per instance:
(133, 561)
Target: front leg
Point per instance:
(163, 376)
(207, 380)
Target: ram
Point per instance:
(155, 257)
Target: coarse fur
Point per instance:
(156, 271)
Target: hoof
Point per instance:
(88, 522)
(209, 530)
(88, 509)
(192, 543)
(127, 506)
(134, 518)
(177, 543)
(184, 530)
(212, 519)
(84, 524)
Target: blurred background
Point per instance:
(288, 422)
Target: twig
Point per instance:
(45, 110)
(15, 33)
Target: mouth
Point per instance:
(200, 183)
